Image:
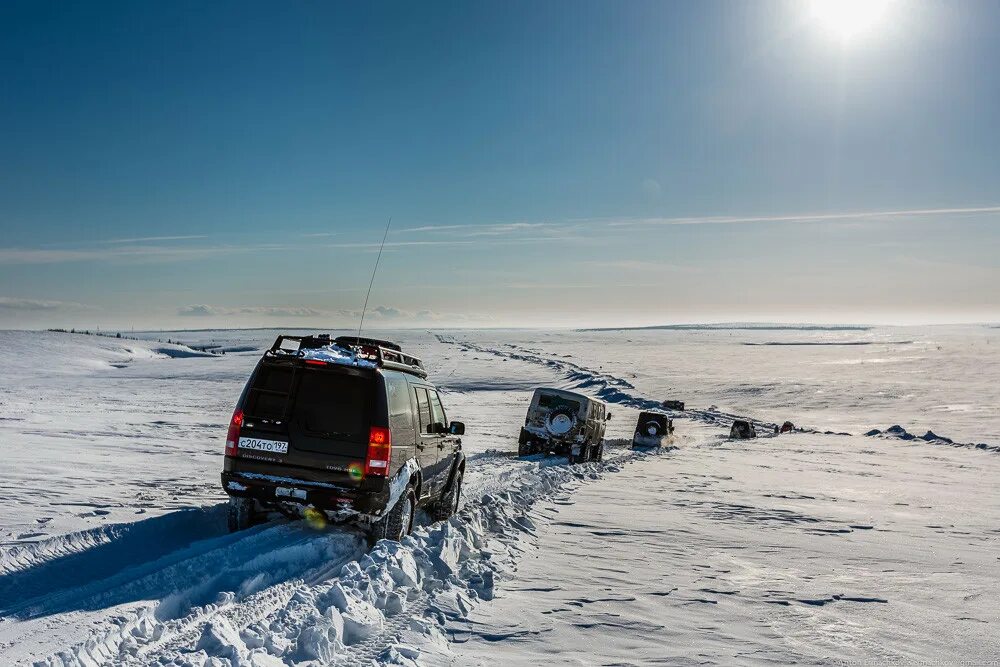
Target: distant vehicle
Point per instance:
(350, 428)
(674, 405)
(742, 430)
(652, 429)
(565, 423)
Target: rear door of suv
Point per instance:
(322, 412)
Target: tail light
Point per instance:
(379, 451)
(233, 437)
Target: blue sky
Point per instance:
(545, 163)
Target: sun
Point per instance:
(849, 19)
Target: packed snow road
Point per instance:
(805, 549)
(802, 548)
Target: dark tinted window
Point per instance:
(437, 410)
(335, 405)
(553, 401)
(398, 395)
(268, 396)
(401, 419)
(424, 409)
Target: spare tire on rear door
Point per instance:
(742, 430)
(560, 421)
(651, 428)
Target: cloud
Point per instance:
(145, 239)
(653, 187)
(33, 305)
(807, 217)
(127, 253)
(205, 310)
(388, 313)
(483, 230)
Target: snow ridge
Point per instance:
(897, 432)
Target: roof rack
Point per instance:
(381, 352)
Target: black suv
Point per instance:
(348, 428)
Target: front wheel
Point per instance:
(397, 522)
(447, 505)
(241, 513)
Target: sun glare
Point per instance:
(849, 19)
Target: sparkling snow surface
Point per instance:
(799, 548)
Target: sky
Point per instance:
(229, 164)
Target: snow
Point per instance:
(334, 354)
(808, 547)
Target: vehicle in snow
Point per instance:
(350, 428)
(651, 429)
(742, 430)
(565, 423)
(674, 405)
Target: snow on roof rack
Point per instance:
(380, 352)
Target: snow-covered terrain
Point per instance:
(809, 547)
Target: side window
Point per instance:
(424, 409)
(438, 410)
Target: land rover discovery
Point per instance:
(348, 428)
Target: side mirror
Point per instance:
(457, 428)
(607, 416)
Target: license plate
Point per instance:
(272, 446)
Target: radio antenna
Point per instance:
(364, 309)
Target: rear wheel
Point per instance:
(398, 522)
(447, 505)
(583, 456)
(241, 513)
(598, 454)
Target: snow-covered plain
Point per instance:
(808, 547)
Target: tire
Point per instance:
(523, 449)
(582, 457)
(598, 453)
(241, 513)
(398, 522)
(447, 505)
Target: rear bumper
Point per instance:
(560, 445)
(271, 490)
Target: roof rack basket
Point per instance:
(384, 353)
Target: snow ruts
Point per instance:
(342, 608)
(605, 386)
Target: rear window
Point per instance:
(334, 405)
(552, 401)
(268, 396)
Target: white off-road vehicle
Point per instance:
(565, 423)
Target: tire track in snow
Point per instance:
(613, 389)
